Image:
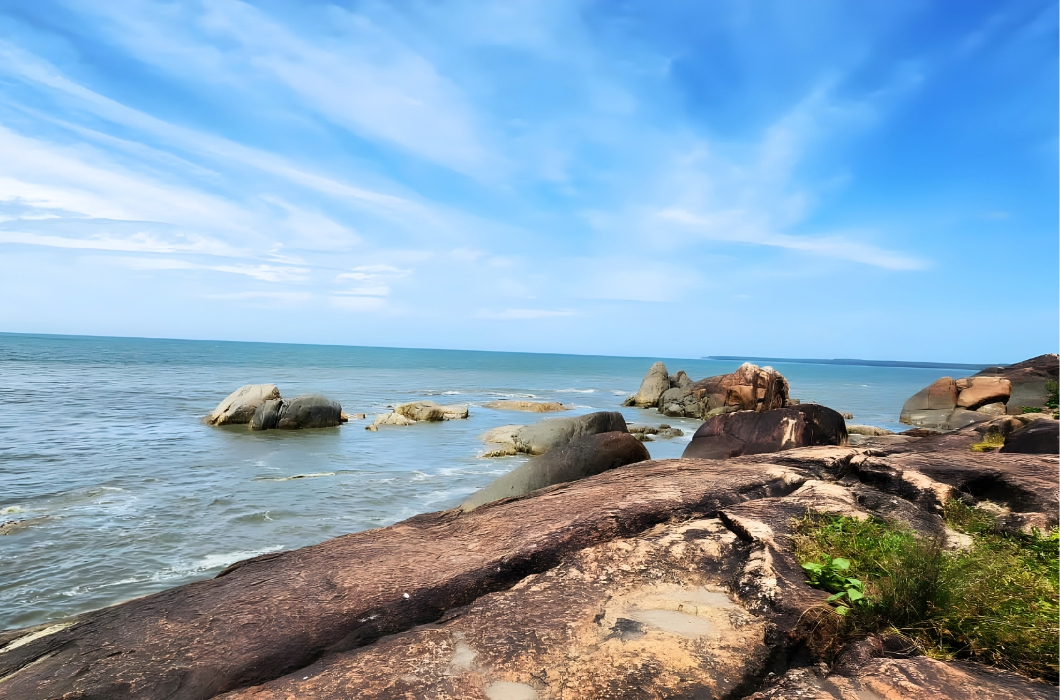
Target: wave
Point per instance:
(212, 561)
(295, 476)
(575, 391)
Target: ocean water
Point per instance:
(122, 491)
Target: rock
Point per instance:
(531, 406)
(302, 412)
(1027, 380)
(992, 409)
(652, 387)
(681, 380)
(430, 411)
(550, 433)
(267, 416)
(939, 396)
(581, 457)
(752, 432)
(898, 679)
(353, 416)
(391, 418)
(979, 391)
(869, 430)
(310, 411)
(750, 387)
(239, 406)
(1040, 437)
(847, 416)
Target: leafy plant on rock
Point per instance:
(831, 576)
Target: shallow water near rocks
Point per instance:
(119, 490)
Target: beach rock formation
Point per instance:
(239, 406)
(752, 432)
(647, 433)
(949, 404)
(749, 388)
(419, 411)
(672, 578)
(302, 412)
(530, 406)
(548, 434)
(1040, 437)
(581, 457)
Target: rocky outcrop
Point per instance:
(749, 388)
(751, 432)
(1041, 437)
(949, 404)
(649, 433)
(419, 411)
(530, 406)
(582, 457)
(541, 437)
(666, 578)
(239, 406)
(302, 412)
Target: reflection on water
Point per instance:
(119, 490)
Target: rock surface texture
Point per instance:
(749, 388)
(239, 406)
(1040, 437)
(530, 406)
(541, 437)
(949, 404)
(417, 412)
(751, 432)
(581, 457)
(658, 579)
(302, 412)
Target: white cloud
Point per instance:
(265, 273)
(524, 314)
(137, 243)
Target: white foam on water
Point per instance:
(211, 561)
(11, 510)
(575, 391)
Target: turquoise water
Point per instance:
(123, 491)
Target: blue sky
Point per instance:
(811, 179)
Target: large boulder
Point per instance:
(940, 395)
(975, 392)
(582, 457)
(1041, 437)
(308, 411)
(541, 437)
(239, 406)
(753, 432)
(1028, 380)
(430, 411)
(655, 382)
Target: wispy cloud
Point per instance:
(524, 314)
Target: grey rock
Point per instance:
(652, 387)
(870, 430)
(239, 406)
(757, 432)
(310, 411)
(267, 416)
(1038, 437)
(548, 434)
(430, 411)
(582, 457)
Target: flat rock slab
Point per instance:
(919, 678)
(611, 621)
(271, 615)
(531, 406)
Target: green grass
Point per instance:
(990, 441)
(995, 602)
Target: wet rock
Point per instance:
(1039, 437)
(751, 432)
(582, 457)
(239, 406)
(531, 406)
(302, 412)
(541, 437)
(267, 415)
(417, 411)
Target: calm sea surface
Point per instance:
(121, 490)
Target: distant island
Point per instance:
(859, 363)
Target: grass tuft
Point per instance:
(991, 441)
(995, 602)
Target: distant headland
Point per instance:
(858, 363)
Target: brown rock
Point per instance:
(1040, 437)
(940, 395)
(750, 388)
(979, 391)
(751, 432)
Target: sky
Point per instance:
(875, 179)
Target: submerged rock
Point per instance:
(530, 406)
(581, 457)
(239, 406)
(302, 412)
(751, 432)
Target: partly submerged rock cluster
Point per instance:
(417, 412)
(749, 388)
(262, 407)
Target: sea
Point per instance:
(112, 487)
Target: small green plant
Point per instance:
(996, 601)
(991, 441)
(831, 576)
(1052, 395)
(1030, 409)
